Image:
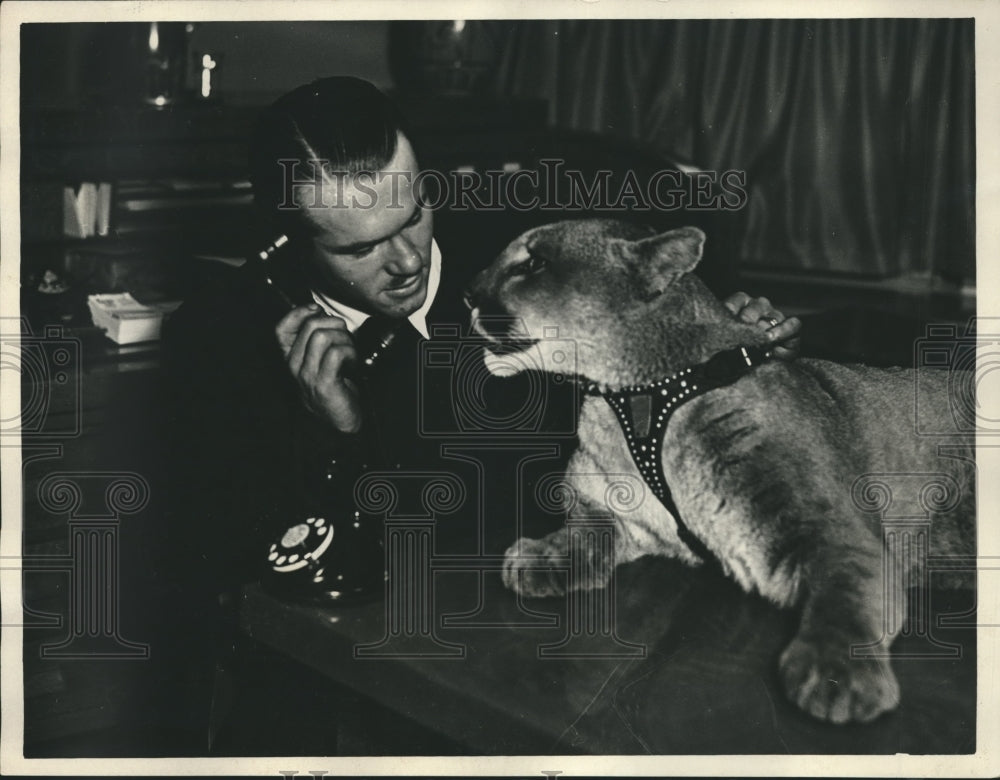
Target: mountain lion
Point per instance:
(762, 469)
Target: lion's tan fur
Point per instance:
(761, 471)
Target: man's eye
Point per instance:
(363, 252)
(532, 265)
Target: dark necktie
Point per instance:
(380, 334)
(388, 351)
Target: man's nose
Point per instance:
(470, 298)
(405, 259)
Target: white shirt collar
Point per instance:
(418, 319)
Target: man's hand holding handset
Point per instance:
(321, 356)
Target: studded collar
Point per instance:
(643, 412)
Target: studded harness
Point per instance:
(643, 412)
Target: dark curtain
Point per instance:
(857, 135)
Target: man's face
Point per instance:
(371, 242)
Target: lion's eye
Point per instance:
(532, 265)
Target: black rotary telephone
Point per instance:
(331, 557)
(321, 560)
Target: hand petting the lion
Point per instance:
(783, 331)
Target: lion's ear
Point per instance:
(660, 259)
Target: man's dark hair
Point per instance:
(343, 123)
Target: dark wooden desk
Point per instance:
(705, 684)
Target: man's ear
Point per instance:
(659, 260)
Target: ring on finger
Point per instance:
(772, 321)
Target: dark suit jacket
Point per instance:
(248, 460)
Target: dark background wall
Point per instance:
(83, 63)
(856, 136)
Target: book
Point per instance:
(80, 210)
(103, 217)
(87, 210)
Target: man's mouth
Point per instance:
(405, 286)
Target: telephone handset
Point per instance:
(323, 559)
(375, 344)
(261, 266)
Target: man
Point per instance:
(367, 261)
(291, 406)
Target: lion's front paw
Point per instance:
(826, 683)
(536, 567)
